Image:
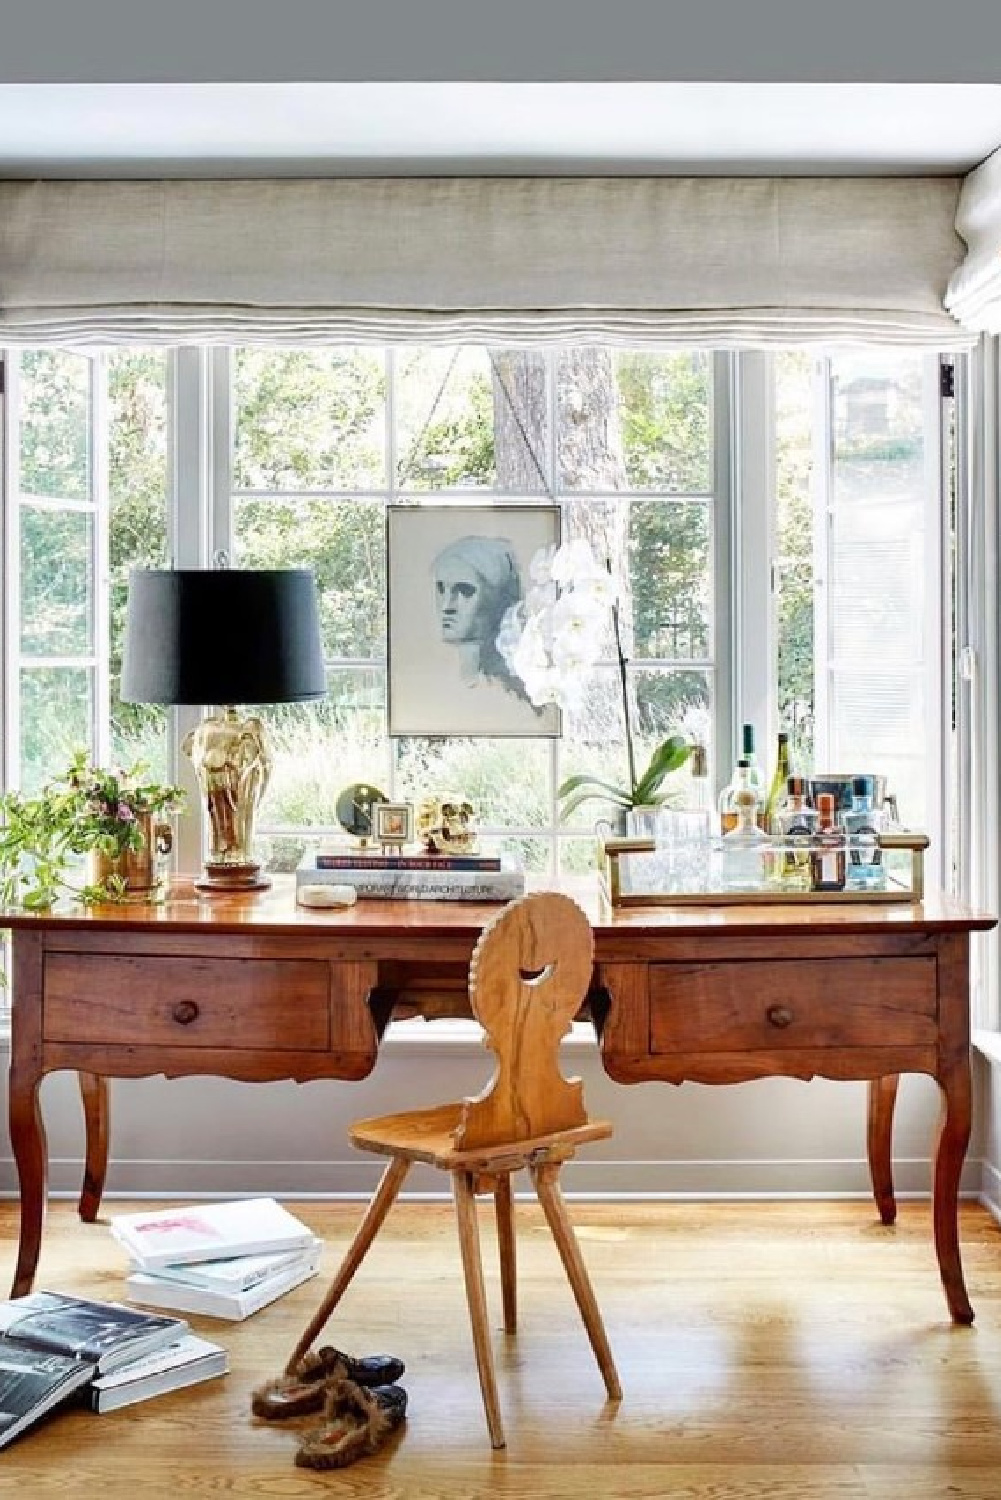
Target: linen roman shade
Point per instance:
(725, 262)
(974, 292)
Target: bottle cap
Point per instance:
(796, 786)
(747, 740)
(743, 761)
(863, 786)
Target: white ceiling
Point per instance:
(329, 129)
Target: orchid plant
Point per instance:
(552, 640)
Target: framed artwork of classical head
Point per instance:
(453, 571)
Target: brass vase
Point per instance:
(144, 870)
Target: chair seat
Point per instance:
(427, 1135)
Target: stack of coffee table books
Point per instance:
(222, 1260)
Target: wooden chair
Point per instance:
(530, 970)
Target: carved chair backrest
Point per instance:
(529, 973)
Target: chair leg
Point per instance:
(472, 1270)
(378, 1208)
(546, 1176)
(504, 1207)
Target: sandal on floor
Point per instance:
(305, 1389)
(357, 1421)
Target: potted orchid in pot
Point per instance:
(552, 639)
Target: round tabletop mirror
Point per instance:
(354, 808)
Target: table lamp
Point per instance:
(223, 637)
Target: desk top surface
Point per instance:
(275, 911)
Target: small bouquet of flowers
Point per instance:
(108, 805)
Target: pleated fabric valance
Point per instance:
(974, 292)
(724, 262)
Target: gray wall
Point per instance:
(776, 1137)
(713, 40)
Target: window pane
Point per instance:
(635, 420)
(670, 557)
(319, 748)
(507, 781)
(878, 420)
(57, 583)
(344, 541)
(55, 424)
(794, 571)
(473, 419)
(308, 419)
(56, 718)
(138, 498)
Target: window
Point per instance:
(774, 523)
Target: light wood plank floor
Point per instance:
(794, 1352)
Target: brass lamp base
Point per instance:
(223, 880)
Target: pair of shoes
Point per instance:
(356, 1421)
(305, 1388)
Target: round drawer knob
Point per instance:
(779, 1015)
(184, 1012)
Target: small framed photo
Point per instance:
(453, 573)
(393, 824)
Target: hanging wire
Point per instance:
(406, 467)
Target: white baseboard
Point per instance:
(595, 1179)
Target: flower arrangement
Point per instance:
(552, 640)
(85, 809)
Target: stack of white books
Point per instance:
(223, 1260)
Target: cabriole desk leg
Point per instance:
(27, 1132)
(94, 1094)
(879, 1141)
(953, 1139)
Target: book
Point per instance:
(101, 1334)
(212, 1231)
(33, 1383)
(51, 1346)
(357, 859)
(238, 1273)
(421, 885)
(157, 1290)
(186, 1362)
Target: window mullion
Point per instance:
(101, 562)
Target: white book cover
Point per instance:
(420, 885)
(209, 1231)
(187, 1362)
(236, 1274)
(158, 1291)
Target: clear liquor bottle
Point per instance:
(743, 848)
(865, 870)
(795, 825)
(827, 851)
(728, 804)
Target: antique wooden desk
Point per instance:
(258, 989)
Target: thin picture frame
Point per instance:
(393, 823)
(452, 571)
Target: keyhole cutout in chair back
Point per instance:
(529, 974)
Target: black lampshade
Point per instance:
(222, 636)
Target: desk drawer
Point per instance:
(121, 1000)
(740, 1006)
